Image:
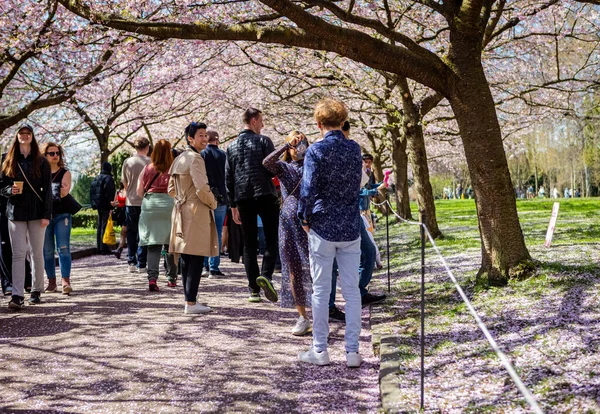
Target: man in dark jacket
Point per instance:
(102, 192)
(215, 160)
(251, 194)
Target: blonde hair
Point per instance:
(330, 112)
(287, 157)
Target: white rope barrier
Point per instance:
(396, 214)
(503, 358)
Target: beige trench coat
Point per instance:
(193, 229)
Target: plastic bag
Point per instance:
(109, 233)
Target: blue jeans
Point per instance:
(215, 261)
(367, 264)
(59, 229)
(347, 254)
(262, 243)
(136, 254)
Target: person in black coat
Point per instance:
(25, 181)
(251, 193)
(102, 192)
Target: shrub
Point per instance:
(86, 218)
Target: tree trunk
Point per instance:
(503, 251)
(104, 151)
(401, 173)
(417, 155)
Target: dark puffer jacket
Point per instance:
(245, 175)
(27, 206)
(102, 190)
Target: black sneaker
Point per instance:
(216, 273)
(34, 299)
(267, 287)
(336, 315)
(370, 298)
(16, 303)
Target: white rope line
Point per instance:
(396, 214)
(503, 358)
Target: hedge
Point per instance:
(86, 217)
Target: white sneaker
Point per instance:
(353, 359)
(205, 273)
(142, 270)
(302, 327)
(313, 357)
(196, 309)
(132, 269)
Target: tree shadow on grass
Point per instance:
(574, 313)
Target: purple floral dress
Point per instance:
(296, 282)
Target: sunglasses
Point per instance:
(53, 154)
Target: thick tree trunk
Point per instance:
(503, 250)
(401, 173)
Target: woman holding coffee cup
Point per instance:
(25, 181)
(59, 228)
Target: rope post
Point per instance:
(422, 227)
(387, 238)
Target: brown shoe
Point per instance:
(51, 288)
(66, 286)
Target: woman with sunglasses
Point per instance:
(25, 181)
(59, 228)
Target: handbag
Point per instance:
(109, 233)
(71, 205)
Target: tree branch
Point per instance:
(313, 33)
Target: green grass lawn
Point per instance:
(578, 221)
(85, 237)
(544, 323)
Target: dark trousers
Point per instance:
(191, 271)
(102, 220)
(267, 207)
(136, 256)
(235, 244)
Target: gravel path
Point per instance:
(112, 346)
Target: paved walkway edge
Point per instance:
(386, 347)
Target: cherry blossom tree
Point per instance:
(439, 45)
(45, 59)
(377, 108)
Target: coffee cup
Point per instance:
(20, 185)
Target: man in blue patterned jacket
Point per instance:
(328, 209)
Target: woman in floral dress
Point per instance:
(296, 284)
